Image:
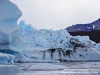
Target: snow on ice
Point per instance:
(57, 45)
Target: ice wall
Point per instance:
(9, 14)
(41, 44)
(10, 41)
(58, 45)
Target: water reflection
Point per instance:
(8, 70)
(88, 68)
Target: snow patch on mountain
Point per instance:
(95, 25)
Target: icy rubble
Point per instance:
(6, 58)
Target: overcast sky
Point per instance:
(58, 14)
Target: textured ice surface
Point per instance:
(10, 42)
(6, 58)
(28, 44)
(40, 41)
(9, 14)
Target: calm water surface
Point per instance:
(16, 70)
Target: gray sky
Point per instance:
(58, 14)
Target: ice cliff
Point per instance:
(57, 45)
(10, 43)
(9, 14)
(23, 43)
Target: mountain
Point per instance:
(95, 25)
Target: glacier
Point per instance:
(59, 45)
(20, 43)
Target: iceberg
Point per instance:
(9, 14)
(10, 42)
(23, 43)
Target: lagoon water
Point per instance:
(86, 68)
